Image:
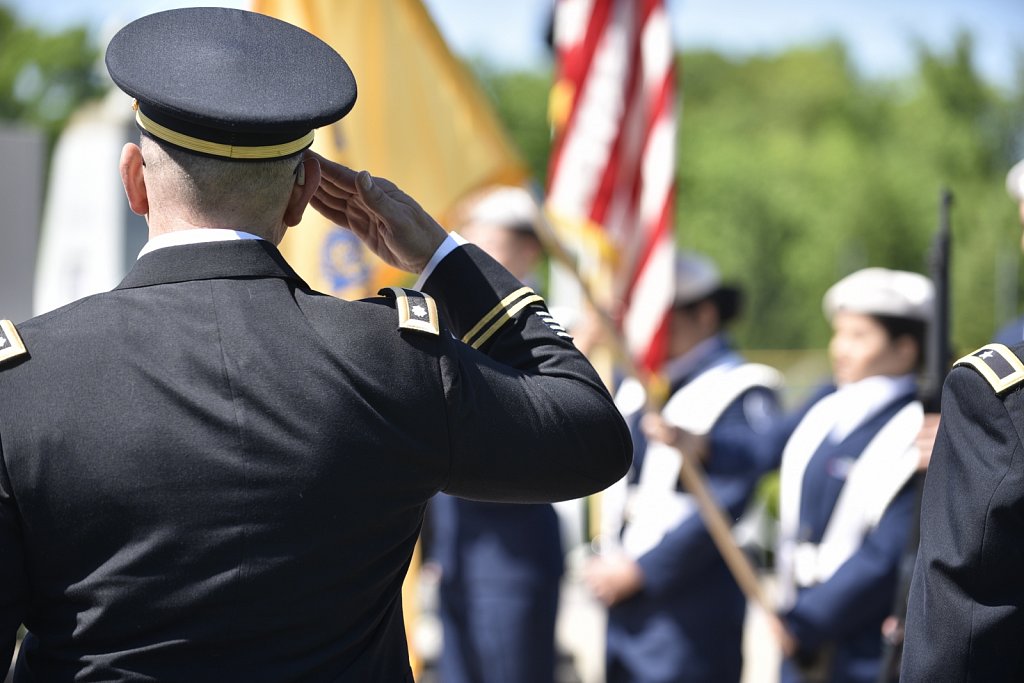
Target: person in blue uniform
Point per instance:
(965, 613)
(847, 461)
(1013, 332)
(215, 473)
(675, 613)
(500, 563)
(846, 481)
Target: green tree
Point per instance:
(794, 171)
(44, 76)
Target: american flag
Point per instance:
(611, 180)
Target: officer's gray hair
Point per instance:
(219, 192)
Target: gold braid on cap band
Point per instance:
(216, 148)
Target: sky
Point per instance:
(880, 34)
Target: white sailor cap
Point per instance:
(504, 206)
(696, 278)
(880, 291)
(1015, 181)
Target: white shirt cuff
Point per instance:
(450, 244)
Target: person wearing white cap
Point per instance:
(846, 480)
(965, 612)
(1013, 332)
(675, 611)
(847, 460)
(500, 563)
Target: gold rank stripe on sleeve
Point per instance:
(11, 345)
(997, 364)
(416, 310)
(498, 316)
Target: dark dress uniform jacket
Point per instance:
(213, 473)
(965, 615)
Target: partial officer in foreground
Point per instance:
(213, 473)
(965, 615)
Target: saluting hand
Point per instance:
(387, 220)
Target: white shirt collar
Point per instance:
(194, 236)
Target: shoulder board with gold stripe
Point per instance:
(11, 345)
(997, 364)
(500, 315)
(416, 310)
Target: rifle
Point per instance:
(937, 358)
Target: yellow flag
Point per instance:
(420, 120)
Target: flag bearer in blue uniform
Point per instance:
(500, 562)
(675, 613)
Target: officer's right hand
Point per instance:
(387, 220)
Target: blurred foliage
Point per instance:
(44, 76)
(794, 171)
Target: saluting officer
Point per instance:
(214, 473)
(965, 614)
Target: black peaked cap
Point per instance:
(229, 83)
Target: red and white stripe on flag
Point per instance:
(611, 181)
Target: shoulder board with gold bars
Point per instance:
(997, 364)
(416, 310)
(11, 345)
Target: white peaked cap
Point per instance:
(696, 278)
(880, 291)
(1015, 181)
(504, 206)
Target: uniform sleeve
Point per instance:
(13, 582)
(861, 590)
(529, 420)
(964, 618)
(687, 551)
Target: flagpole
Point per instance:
(691, 473)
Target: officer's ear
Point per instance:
(307, 180)
(134, 179)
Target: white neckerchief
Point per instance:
(854, 403)
(178, 238)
